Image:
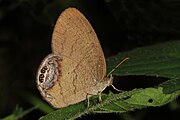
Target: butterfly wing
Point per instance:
(73, 84)
(75, 38)
(82, 62)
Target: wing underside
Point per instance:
(83, 63)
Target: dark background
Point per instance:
(26, 27)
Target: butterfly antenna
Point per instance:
(117, 66)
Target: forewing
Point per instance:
(75, 38)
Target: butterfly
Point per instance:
(76, 68)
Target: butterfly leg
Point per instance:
(116, 88)
(111, 77)
(100, 97)
(87, 97)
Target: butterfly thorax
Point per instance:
(101, 85)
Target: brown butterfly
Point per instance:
(76, 69)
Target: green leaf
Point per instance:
(158, 60)
(70, 112)
(162, 60)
